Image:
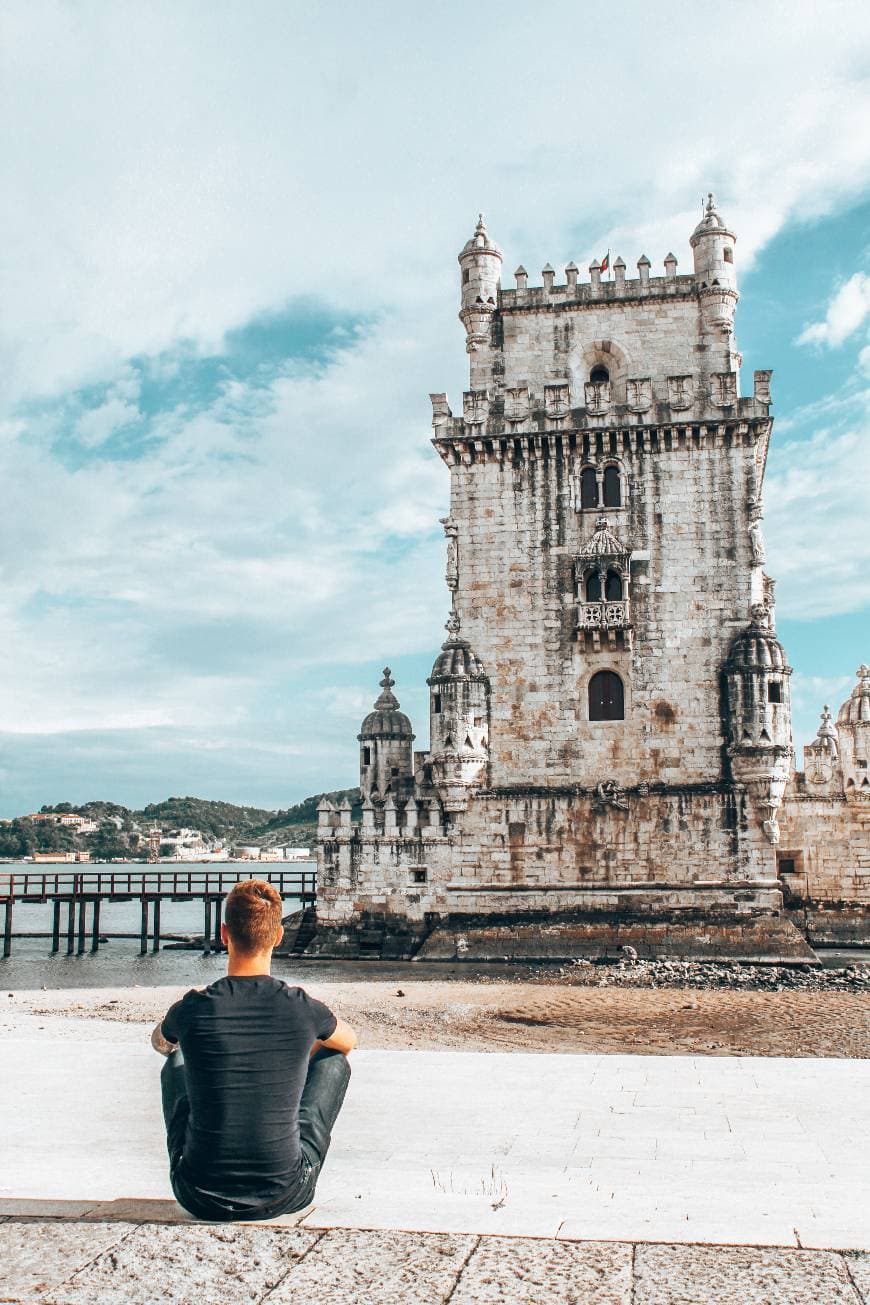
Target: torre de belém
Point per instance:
(611, 756)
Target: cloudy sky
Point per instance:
(229, 281)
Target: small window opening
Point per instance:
(418, 876)
(466, 276)
(774, 691)
(599, 374)
(588, 488)
(613, 587)
(612, 487)
(593, 588)
(478, 722)
(367, 756)
(728, 254)
(436, 703)
(786, 865)
(862, 765)
(606, 697)
(394, 770)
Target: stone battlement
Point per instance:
(576, 294)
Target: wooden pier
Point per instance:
(77, 896)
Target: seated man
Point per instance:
(254, 1079)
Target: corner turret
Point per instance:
(385, 738)
(713, 248)
(758, 717)
(853, 729)
(480, 262)
(459, 719)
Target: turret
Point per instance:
(713, 249)
(459, 719)
(386, 754)
(758, 717)
(480, 262)
(822, 756)
(853, 729)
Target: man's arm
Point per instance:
(343, 1038)
(161, 1044)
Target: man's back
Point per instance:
(246, 1042)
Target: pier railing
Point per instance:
(83, 892)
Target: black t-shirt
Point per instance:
(246, 1043)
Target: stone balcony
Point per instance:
(604, 622)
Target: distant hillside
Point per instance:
(296, 826)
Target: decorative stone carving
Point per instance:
(597, 395)
(762, 386)
(609, 794)
(638, 393)
(556, 401)
(451, 530)
(516, 403)
(723, 389)
(475, 407)
(680, 392)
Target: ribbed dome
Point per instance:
(456, 661)
(757, 648)
(857, 706)
(386, 721)
(480, 241)
(712, 219)
(603, 543)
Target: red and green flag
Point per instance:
(605, 262)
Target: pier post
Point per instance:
(218, 945)
(155, 946)
(55, 926)
(143, 928)
(7, 927)
(70, 925)
(206, 927)
(81, 939)
(95, 928)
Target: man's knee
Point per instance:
(331, 1062)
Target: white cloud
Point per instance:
(816, 519)
(847, 310)
(227, 158)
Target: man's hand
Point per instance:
(343, 1039)
(159, 1043)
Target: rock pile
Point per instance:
(629, 971)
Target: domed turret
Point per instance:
(480, 262)
(821, 757)
(758, 716)
(459, 718)
(386, 736)
(853, 728)
(713, 249)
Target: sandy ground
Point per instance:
(508, 1016)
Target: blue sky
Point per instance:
(229, 283)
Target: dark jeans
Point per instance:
(322, 1098)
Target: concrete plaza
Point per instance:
(754, 1151)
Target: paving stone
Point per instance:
(35, 1255)
(376, 1268)
(740, 1275)
(199, 1264)
(529, 1272)
(858, 1264)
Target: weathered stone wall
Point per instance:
(828, 841)
(685, 522)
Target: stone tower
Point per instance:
(610, 721)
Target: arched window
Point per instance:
(593, 588)
(588, 488)
(613, 587)
(599, 374)
(612, 487)
(606, 697)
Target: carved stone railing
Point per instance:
(603, 616)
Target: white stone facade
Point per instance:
(606, 479)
